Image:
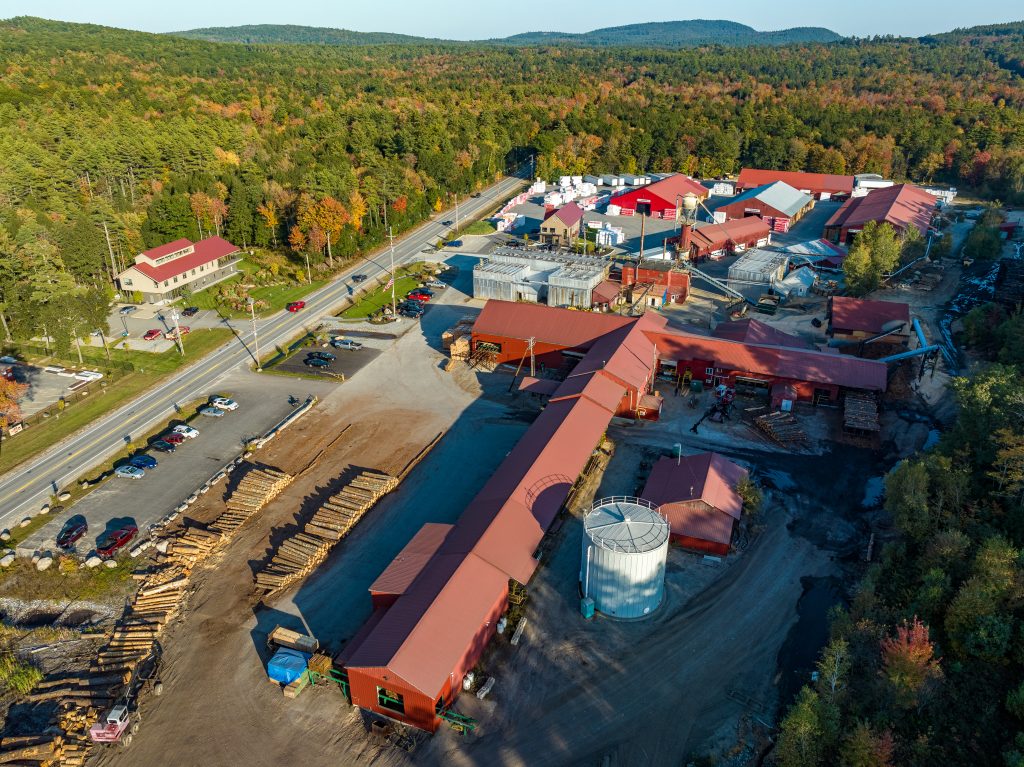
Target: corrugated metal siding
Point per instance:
(624, 585)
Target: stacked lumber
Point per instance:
(300, 554)
(463, 327)
(192, 545)
(257, 488)
(459, 348)
(782, 427)
(860, 412)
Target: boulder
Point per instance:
(7, 560)
(5, 535)
(65, 496)
(110, 563)
(44, 509)
(44, 562)
(93, 561)
(162, 545)
(35, 556)
(25, 522)
(192, 498)
(247, 454)
(178, 509)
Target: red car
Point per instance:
(295, 306)
(416, 296)
(113, 542)
(152, 335)
(175, 438)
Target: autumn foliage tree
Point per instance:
(909, 664)
(11, 393)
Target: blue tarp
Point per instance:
(287, 665)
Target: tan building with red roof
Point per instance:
(903, 206)
(697, 494)
(164, 272)
(562, 226)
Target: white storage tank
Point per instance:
(625, 545)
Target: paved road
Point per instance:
(25, 488)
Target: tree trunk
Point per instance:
(78, 348)
(330, 257)
(7, 330)
(103, 340)
(200, 225)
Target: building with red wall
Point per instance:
(903, 206)
(697, 494)
(779, 205)
(667, 283)
(661, 195)
(720, 240)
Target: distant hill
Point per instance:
(677, 34)
(271, 34)
(665, 34)
(988, 31)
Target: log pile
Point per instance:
(191, 546)
(42, 750)
(256, 489)
(783, 428)
(300, 554)
(860, 413)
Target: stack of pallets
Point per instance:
(300, 554)
(782, 427)
(256, 489)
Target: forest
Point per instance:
(140, 138)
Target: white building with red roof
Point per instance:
(164, 272)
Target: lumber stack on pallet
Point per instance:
(299, 555)
(256, 489)
(860, 413)
(782, 427)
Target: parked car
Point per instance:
(408, 311)
(211, 412)
(142, 461)
(475, 194)
(453, 244)
(152, 335)
(97, 334)
(437, 284)
(72, 531)
(415, 295)
(424, 291)
(345, 343)
(316, 362)
(129, 472)
(175, 438)
(322, 356)
(162, 446)
(182, 330)
(127, 309)
(358, 278)
(295, 306)
(186, 431)
(116, 540)
(224, 403)
(88, 375)
(190, 311)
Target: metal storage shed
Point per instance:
(759, 266)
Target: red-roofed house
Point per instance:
(903, 206)
(562, 226)
(164, 272)
(724, 239)
(661, 195)
(697, 494)
(857, 319)
(821, 186)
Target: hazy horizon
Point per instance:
(465, 20)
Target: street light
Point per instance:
(255, 337)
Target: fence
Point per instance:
(70, 357)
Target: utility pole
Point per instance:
(255, 336)
(533, 359)
(177, 332)
(394, 308)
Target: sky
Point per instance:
(480, 19)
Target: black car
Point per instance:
(358, 278)
(476, 194)
(410, 305)
(191, 311)
(162, 446)
(425, 291)
(316, 362)
(322, 356)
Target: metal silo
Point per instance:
(625, 544)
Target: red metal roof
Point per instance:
(404, 568)
(708, 477)
(544, 386)
(751, 331)
(205, 251)
(569, 214)
(773, 361)
(606, 292)
(561, 327)
(661, 193)
(902, 206)
(815, 182)
(860, 314)
(163, 250)
(626, 352)
(597, 386)
(738, 230)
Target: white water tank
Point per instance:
(625, 545)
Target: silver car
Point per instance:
(212, 412)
